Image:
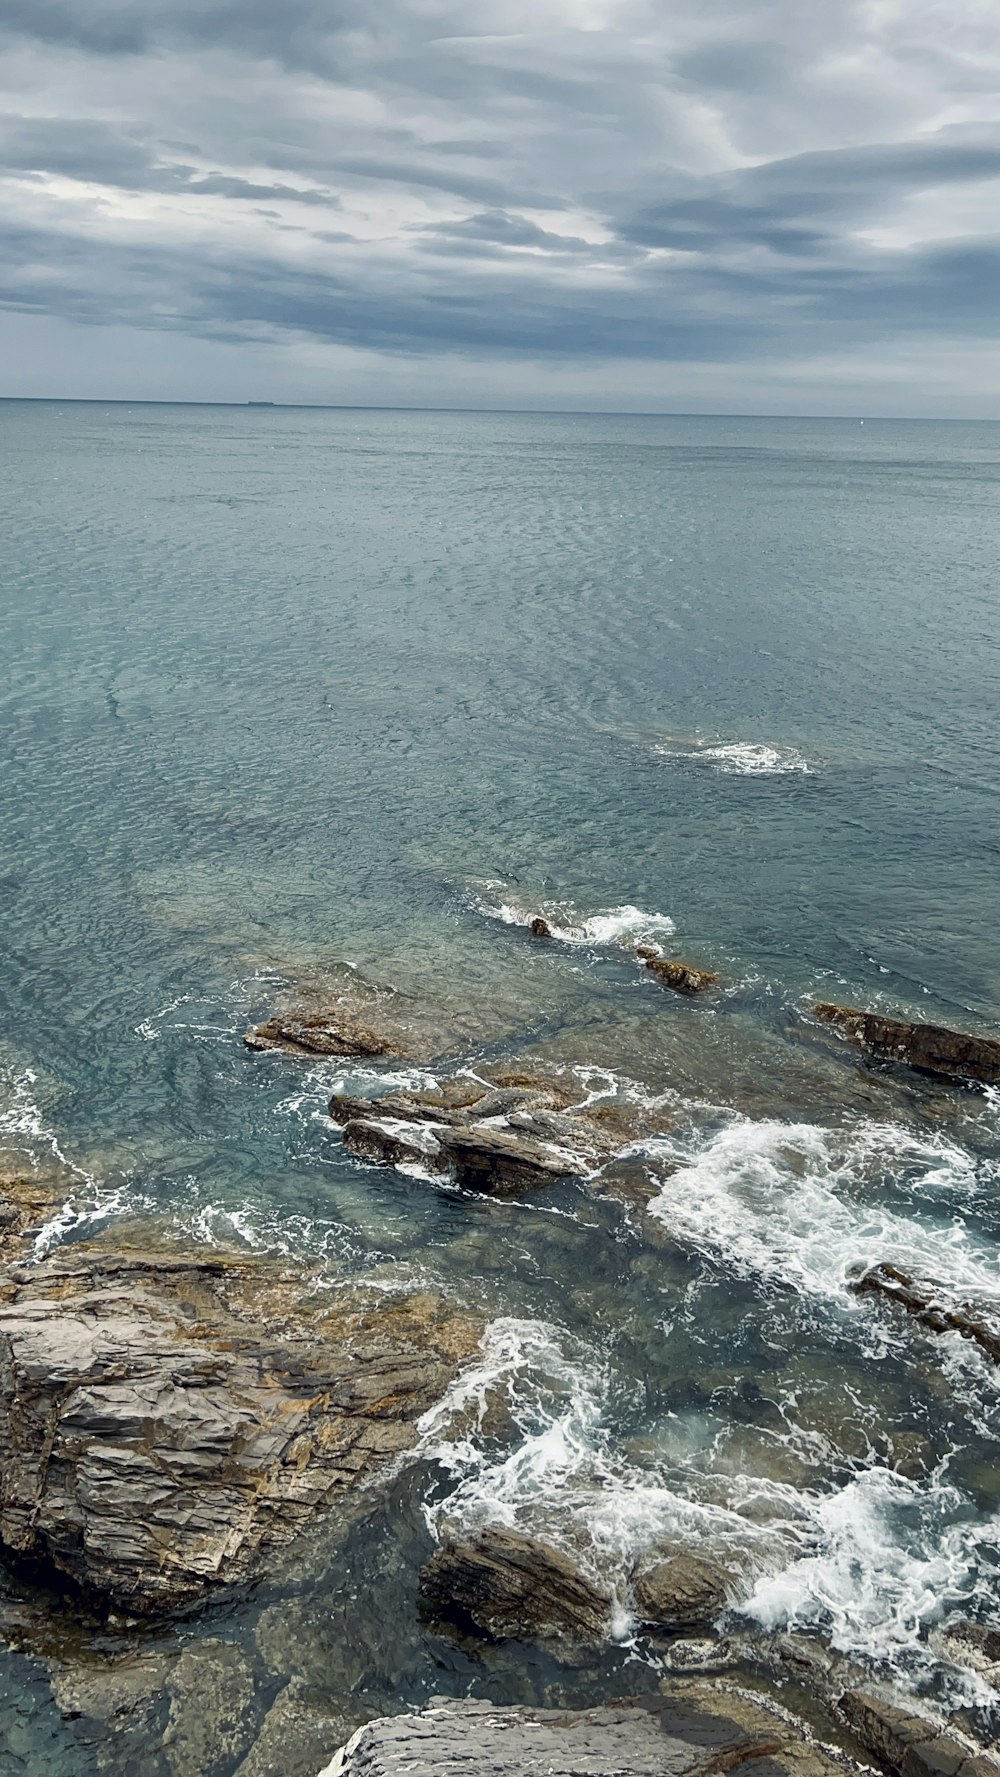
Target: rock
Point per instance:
(682, 977)
(118, 1709)
(695, 1731)
(680, 1591)
(387, 1142)
(26, 1199)
(909, 1743)
(295, 1737)
(500, 1162)
(976, 1646)
(931, 1048)
(213, 1719)
(335, 1031)
(514, 1588)
(920, 1300)
(540, 927)
(167, 1420)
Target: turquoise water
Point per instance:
(286, 690)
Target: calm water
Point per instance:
(284, 690)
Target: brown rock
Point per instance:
(540, 927)
(920, 1300)
(335, 1031)
(167, 1420)
(501, 1163)
(390, 1143)
(909, 1743)
(514, 1587)
(680, 1591)
(931, 1048)
(682, 977)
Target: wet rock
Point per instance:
(540, 927)
(118, 1710)
(695, 1731)
(27, 1197)
(682, 977)
(514, 1587)
(920, 1300)
(974, 1645)
(680, 1591)
(931, 1048)
(390, 1143)
(335, 1031)
(910, 1744)
(168, 1420)
(502, 1162)
(295, 1737)
(213, 1718)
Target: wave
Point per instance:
(613, 925)
(871, 1564)
(744, 758)
(91, 1202)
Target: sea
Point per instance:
(296, 696)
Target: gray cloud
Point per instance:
(658, 187)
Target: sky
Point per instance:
(737, 206)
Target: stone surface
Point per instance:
(294, 1739)
(681, 977)
(334, 1031)
(695, 1731)
(974, 1645)
(166, 1420)
(212, 1719)
(514, 1587)
(920, 1300)
(931, 1048)
(909, 1743)
(27, 1197)
(540, 927)
(680, 1591)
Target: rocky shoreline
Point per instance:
(173, 1418)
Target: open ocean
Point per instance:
(289, 692)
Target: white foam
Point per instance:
(799, 1204)
(94, 1203)
(613, 925)
(744, 758)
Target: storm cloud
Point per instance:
(570, 201)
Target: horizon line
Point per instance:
(624, 413)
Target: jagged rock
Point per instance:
(920, 1300)
(500, 1162)
(514, 1587)
(335, 1031)
(680, 1591)
(389, 1142)
(695, 1731)
(976, 1646)
(931, 1048)
(682, 977)
(909, 1743)
(167, 1420)
(26, 1198)
(540, 927)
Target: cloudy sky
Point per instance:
(701, 205)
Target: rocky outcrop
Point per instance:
(335, 1031)
(681, 977)
(921, 1300)
(498, 1137)
(167, 1420)
(931, 1048)
(514, 1587)
(680, 1591)
(910, 1744)
(540, 928)
(696, 1730)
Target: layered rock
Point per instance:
(167, 1420)
(680, 1591)
(336, 1030)
(921, 1300)
(681, 977)
(930, 1048)
(910, 1744)
(693, 1731)
(514, 1587)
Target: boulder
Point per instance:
(910, 1744)
(682, 977)
(930, 1048)
(334, 1031)
(975, 1645)
(679, 1591)
(167, 1420)
(540, 927)
(920, 1300)
(695, 1730)
(514, 1587)
(502, 1162)
(391, 1142)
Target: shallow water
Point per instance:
(286, 691)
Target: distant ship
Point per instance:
(260, 403)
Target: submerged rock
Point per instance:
(920, 1300)
(336, 1031)
(681, 1591)
(514, 1587)
(167, 1420)
(695, 1730)
(682, 977)
(909, 1743)
(931, 1048)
